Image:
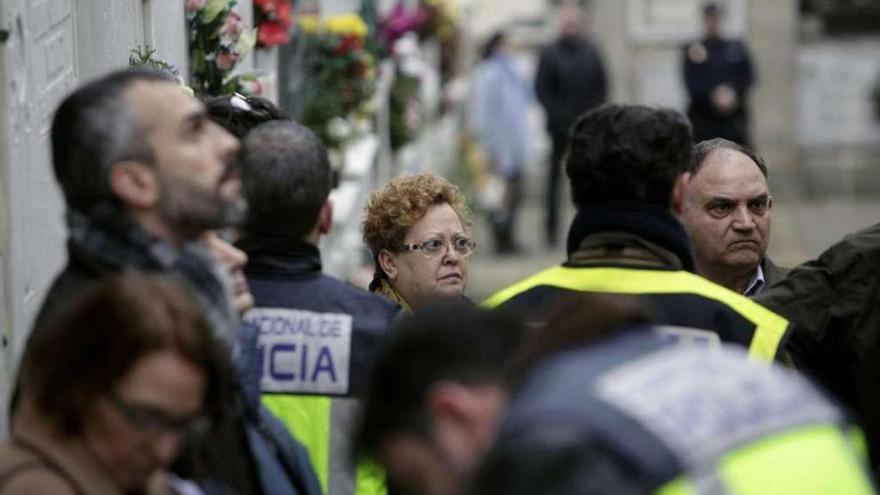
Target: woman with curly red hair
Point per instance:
(417, 228)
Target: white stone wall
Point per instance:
(53, 45)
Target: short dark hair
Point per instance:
(286, 178)
(240, 114)
(93, 128)
(627, 153)
(493, 43)
(90, 346)
(704, 148)
(445, 340)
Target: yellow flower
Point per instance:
(309, 23)
(346, 24)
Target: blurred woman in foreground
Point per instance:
(110, 389)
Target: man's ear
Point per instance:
(463, 408)
(135, 184)
(325, 217)
(388, 264)
(679, 191)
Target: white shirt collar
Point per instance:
(756, 284)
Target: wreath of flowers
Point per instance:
(342, 75)
(274, 20)
(218, 40)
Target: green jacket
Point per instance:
(833, 304)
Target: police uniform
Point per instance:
(708, 64)
(643, 250)
(634, 415)
(317, 336)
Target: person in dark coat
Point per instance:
(145, 174)
(570, 80)
(717, 74)
(833, 302)
(726, 213)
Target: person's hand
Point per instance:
(724, 99)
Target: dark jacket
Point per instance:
(629, 414)
(641, 249)
(570, 80)
(707, 64)
(317, 338)
(772, 273)
(104, 242)
(833, 302)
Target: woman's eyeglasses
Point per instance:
(153, 421)
(464, 246)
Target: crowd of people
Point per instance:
(192, 344)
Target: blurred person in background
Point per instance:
(717, 74)
(316, 334)
(626, 166)
(570, 80)
(418, 229)
(110, 387)
(726, 213)
(499, 118)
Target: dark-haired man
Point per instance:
(726, 213)
(626, 165)
(600, 402)
(145, 174)
(316, 333)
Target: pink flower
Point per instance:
(195, 5)
(226, 60)
(233, 24)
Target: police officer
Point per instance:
(625, 163)
(717, 74)
(625, 413)
(316, 333)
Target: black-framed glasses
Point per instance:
(464, 246)
(153, 421)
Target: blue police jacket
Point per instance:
(316, 339)
(634, 414)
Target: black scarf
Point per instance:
(652, 223)
(106, 235)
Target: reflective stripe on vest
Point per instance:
(769, 327)
(813, 460)
(322, 424)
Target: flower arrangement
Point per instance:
(218, 40)
(399, 21)
(342, 75)
(274, 20)
(146, 56)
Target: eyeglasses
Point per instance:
(464, 246)
(153, 421)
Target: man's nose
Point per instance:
(226, 142)
(742, 220)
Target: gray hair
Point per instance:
(704, 148)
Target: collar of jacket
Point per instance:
(645, 222)
(280, 256)
(34, 433)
